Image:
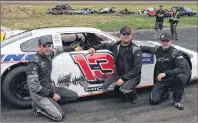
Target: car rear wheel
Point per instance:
(15, 89)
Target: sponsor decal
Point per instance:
(147, 58)
(95, 67)
(96, 88)
(15, 58)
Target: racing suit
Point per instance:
(128, 66)
(174, 19)
(174, 65)
(41, 87)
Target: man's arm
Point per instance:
(178, 16)
(157, 13)
(162, 14)
(148, 49)
(103, 46)
(137, 66)
(180, 64)
(58, 51)
(32, 72)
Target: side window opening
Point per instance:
(31, 45)
(68, 39)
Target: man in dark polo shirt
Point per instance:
(159, 21)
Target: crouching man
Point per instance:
(43, 93)
(128, 63)
(172, 71)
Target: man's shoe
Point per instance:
(121, 96)
(132, 97)
(135, 101)
(176, 39)
(154, 38)
(178, 105)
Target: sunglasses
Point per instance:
(126, 33)
(166, 40)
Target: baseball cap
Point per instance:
(165, 37)
(45, 40)
(125, 29)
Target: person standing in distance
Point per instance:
(174, 19)
(159, 22)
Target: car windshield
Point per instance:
(187, 8)
(16, 38)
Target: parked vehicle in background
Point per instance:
(84, 11)
(106, 10)
(59, 10)
(185, 10)
(126, 11)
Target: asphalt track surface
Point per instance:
(107, 108)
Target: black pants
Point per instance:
(161, 88)
(126, 88)
(49, 107)
(173, 29)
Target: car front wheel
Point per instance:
(15, 89)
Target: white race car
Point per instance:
(78, 71)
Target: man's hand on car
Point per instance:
(56, 97)
(91, 51)
(120, 82)
(160, 76)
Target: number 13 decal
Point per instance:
(95, 66)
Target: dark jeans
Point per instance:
(50, 107)
(161, 87)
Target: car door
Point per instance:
(82, 72)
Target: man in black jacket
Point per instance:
(43, 92)
(172, 71)
(128, 62)
(159, 22)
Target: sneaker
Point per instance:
(176, 39)
(154, 38)
(178, 105)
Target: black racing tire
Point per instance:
(15, 89)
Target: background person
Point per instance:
(159, 22)
(174, 19)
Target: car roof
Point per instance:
(49, 30)
(66, 29)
